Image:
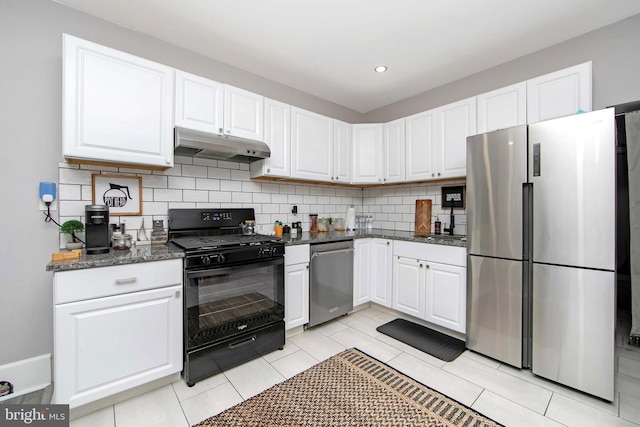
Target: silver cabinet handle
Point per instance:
(126, 280)
(177, 295)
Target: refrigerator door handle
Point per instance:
(527, 220)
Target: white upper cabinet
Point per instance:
(277, 135)
(342, 152)
(367, 153)
(116, 107)
(456, 122)
(199, 103)
(208, 106)
(393, 151)
(243, 113)
(560, 93)
(420, 154)
(502, 108)
(311, 145)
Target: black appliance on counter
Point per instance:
(234, 290)
(96, 228)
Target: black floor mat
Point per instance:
(424, 339)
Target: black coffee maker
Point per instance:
(96, 228)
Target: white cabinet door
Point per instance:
(502, 108)
(558, 94)
(277, 135)
(296, 291)
(362, 273)
(367, 153)
(243, 113)
(456, 122)
(409, 286)
(446, 290)
(342, 152)
(107, 345)
(382, 271)
(393, 151)
(311, 145)
(199, 103)
(116, 107)
(420, 146)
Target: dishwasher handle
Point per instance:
(337, 251)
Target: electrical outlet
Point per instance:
(52, 206)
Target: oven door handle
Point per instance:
(243, 342)
(221, 271)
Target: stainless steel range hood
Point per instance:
(193, 143)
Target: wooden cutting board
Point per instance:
(423, 217)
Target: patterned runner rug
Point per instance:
(349, 389)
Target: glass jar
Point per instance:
(338, 224)
(314, 223)
(158, 234)
(323, 225)
(121, 241)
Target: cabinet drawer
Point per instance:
(296, 254)
(433, 253)
(99, 282)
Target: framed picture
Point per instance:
(453, 197)
(121, 193)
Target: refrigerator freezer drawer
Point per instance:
(494, 308)
(574, 327)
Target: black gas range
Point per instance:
(234, 290)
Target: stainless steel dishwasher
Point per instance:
(330, 281)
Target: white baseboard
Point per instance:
(27, 375)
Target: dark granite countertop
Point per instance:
(334, 236)
(142, 253)
(148, 253)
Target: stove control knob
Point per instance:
(220, 258)
(206, 259)
(272, 251)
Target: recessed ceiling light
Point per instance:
(380, 68)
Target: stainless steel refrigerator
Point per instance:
(542, 249)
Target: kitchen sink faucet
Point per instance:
(452, 223)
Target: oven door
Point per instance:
(227, 301)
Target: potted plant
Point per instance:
(72, 227)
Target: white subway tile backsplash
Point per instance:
(195, 196)
(205, 162)
(155, 181)
(238, 197)
(206, 183)
(230, 186)
(220, 196)
(69, 192)
(194, 171)
(218, 173)
(240, 175)
(167, 195)
(182, 183)
(228, 165)
(74, 176)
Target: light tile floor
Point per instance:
(510, 396)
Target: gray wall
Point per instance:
(616, 76)
(30, 129)
(30, 134)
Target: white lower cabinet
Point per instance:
(429, 282)
(115, 328)
(446, 290)
(409, 286)
(296, 286)
(381, 271)
(372, 271)
(361, 271)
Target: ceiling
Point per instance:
(329, 48)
